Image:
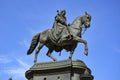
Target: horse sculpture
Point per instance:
(75, 29)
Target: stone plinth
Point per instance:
(59, 70)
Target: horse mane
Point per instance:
(76, 19)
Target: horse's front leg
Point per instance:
(78, 39)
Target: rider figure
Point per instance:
(61, 31)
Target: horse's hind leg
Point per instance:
(71, 53)
(49, 54)
(37, 51)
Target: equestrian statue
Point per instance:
(61, 36)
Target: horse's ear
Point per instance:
(57, 11)
(86, 13)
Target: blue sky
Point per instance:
(20, 20)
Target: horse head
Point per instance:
(86, 20)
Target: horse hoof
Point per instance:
(35, 61)
(86, 53)
(54, 60)
(69, 58)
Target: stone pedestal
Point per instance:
(59, 70)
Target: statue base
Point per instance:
(59, 70)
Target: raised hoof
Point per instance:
(86, 52)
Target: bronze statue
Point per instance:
(55, 42)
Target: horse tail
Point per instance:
(34, 43)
